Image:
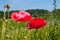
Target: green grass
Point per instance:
(12, 30)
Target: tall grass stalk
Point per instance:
(3, 35)
(16, 34)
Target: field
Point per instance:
(12, 30)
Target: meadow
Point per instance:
(12, 30)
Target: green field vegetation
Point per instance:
(12, 30)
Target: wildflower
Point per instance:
(21, 16)
(36, 23)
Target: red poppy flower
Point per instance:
(21, 16)
(36, 23)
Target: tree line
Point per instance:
(37, 13)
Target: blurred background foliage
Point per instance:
(37, 13)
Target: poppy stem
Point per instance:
(34, 37)
(35, 34)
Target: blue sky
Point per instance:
(29, 4)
